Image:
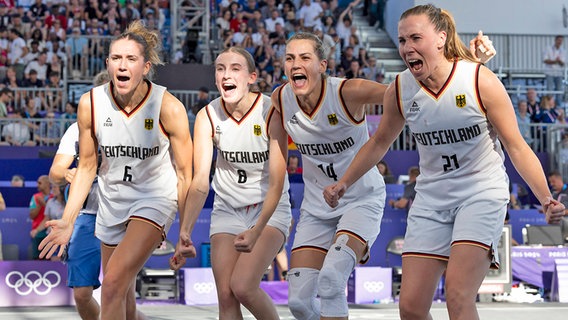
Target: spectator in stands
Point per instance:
(70, 113)
(32, 80)
(271, 22)
(557, 186)
(5, 17)
(58, 29)
(266, 10)
(96, 51)
(17, 181)
(37, 213)
(371, 69)
(54, 206)
(6, 96)
(49, 132)
(129, 13)
(39, 65)
(53, 96)
(92, 9)
(547, 113)
(355, 71)
(344, 23)
(310, 15)
(514, 202)
(240, 35)
(533, 102)
(38, 9)
(11, 81)
(77, 47)
(386, 172)
(289, 15)
(18, 24)
(17, 51)
(16, 133)
(409, 193)
(524, 121)
(33, 53)
(249, 8)
(554, 61)
(347, 57)
(224, 21)
(38, 36)
(202, 100)
(236, 21)
(56, 46)
(294, 164)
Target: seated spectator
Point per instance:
(16, 133)
(224, 21)
(32, 81)
(310, 15)
(274, 19)
(409, 193)
(77, 46)
(524, 121)
(355, 71)
(33, 52)
(386, 172)
(39, 65)
(18, 181)
(294, 164)
(6, 96)
(55, 66)
(70, 114)
(49, 132)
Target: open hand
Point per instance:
(482, 48)
(57, 238)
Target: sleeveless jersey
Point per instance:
(241, 173)
(460, 154)
(69, 145)
(328, 139)
(136, 162)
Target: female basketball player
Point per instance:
(251, 213)
(459, 113)
(135, 123)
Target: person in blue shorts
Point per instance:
(83, 255)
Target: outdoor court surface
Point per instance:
(487, 311)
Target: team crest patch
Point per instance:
(460, 101)
(148, 124)
(257, 130)
(332, 118)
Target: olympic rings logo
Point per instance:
(33, 281)
(373, 286)
(204, 287)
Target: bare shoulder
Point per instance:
(275, 97)
(172, 107)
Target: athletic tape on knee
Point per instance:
(338, 265)
(302, 292)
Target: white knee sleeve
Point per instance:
(338, 265)
(302, 292)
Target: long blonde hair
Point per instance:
(443, 21)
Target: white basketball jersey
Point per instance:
(136, 161)
(460, 154)
(241, 173)
(328, 139)
(69, 145)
